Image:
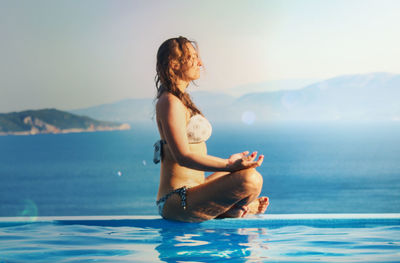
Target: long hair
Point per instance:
(166, 78)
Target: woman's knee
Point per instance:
(251, 180)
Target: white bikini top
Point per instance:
(198, 130)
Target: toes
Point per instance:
(245, 210)
(264, 208)
(264, 202)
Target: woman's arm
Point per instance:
(172, 115)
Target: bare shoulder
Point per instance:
(168, 102)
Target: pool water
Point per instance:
(265, 238)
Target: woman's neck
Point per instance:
(182, 85)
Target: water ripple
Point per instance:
(210, 242)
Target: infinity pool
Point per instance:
(266, 238)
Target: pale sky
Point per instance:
(70, 54)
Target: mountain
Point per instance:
(128, 110)
(51, 121)
(371, 97)
(142, 110)
(271, 85)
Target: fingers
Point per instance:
(245, 153)
(248, 161)
(260, 160)
(252, 157)
(254, 164)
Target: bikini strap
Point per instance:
(158, 151)
(180, 191)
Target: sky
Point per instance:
(71, 54)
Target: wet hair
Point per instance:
(174, 49)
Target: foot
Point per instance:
(234, 212)
(258, 206)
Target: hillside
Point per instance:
(143, 110)
(368, 97)
(365, 97)
(51, 121)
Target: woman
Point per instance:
(184, 193)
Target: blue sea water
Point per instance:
(298, 238)
(308, 168)
(328, 169)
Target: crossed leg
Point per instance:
(258, 206)
(226, 195)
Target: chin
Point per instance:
(194, 78)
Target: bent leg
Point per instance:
(216, 175)
(215, 197)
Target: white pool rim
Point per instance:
(257, 217)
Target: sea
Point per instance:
(334, 192)
(308, 168)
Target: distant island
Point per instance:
(32, 122)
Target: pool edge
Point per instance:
(257, 217)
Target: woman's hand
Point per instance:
(236, 156)
(240, 161)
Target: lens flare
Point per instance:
(289, 101)
(30, 210)
(248, 117)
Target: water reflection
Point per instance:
(238, 240)
(199, 244)
(210, 241)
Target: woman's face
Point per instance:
(193, 64)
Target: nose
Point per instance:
(199, 62)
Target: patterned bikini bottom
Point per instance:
(180, 191)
